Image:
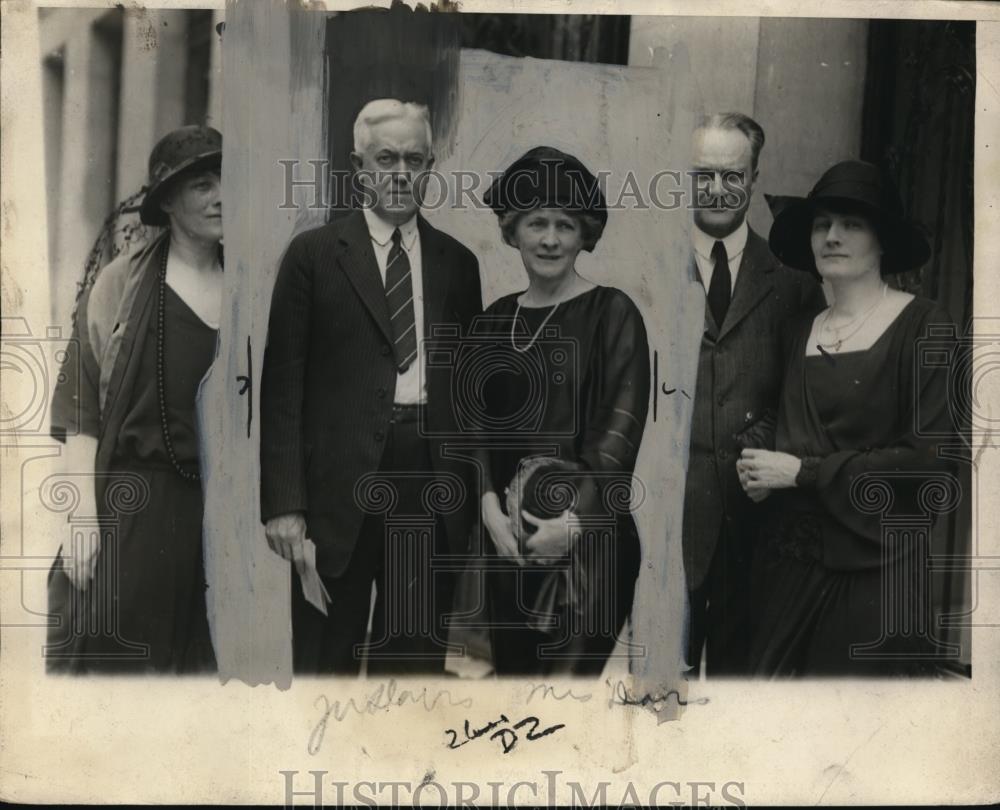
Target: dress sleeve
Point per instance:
(618, 400)
(925, 418)
(485, 436)
(75, 400)
(474, 297)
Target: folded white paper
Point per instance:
(312, 585)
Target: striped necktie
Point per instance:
(399, 297)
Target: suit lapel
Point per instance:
(361, 268)
(753, 283)
(436, 275)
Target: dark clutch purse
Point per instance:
(544, 487)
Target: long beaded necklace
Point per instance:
(161, 387)
(836, 344)
(538, 331)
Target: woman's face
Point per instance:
(549, 240)
(194, 206)
(844, 245)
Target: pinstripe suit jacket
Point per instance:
(739, 380)
(329, 378)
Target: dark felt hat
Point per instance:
(855, 186)
(545, 176)
(187, 149)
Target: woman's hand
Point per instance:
(80, 568)
(551, 541)
(81, 562)
(755, 495)
(498, 527)
(764, 470)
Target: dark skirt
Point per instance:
(145, 610)
(587, 608)
(811, 620)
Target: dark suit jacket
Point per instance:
(330, 376)
(739, 380)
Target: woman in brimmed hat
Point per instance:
(853, 403)
(566, 388)
(147, 331)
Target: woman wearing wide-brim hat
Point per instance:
(566, 388)
(133, 598)
(854, 402)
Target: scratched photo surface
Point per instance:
(429, 405)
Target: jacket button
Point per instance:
(379, 435)
(721, 400)
(384, 350)
(380, 393)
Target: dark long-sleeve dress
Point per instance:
(840, 589)
(149, 569)
(580, 394)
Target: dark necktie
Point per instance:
(399, 297)
(721, 287)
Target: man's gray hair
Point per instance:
(387, 109)
(742, 123)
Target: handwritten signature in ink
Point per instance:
(384, 697)
(502, 730)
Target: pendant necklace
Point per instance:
(836, 344)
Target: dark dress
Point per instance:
(825, 550)
(154, 545)
(580, 394)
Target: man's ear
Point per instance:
(357, 161)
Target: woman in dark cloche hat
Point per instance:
(131, 598)
(858, 422)
(565, 387)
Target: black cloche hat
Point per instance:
(857, 185)
(545, 176)
(185, 149)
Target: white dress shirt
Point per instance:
(702, 243)
(411, 385)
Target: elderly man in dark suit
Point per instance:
(351, 408)
(749, 293)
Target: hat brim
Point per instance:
(150, 212)
(904, 244)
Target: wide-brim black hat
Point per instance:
(546, 177)
(187, 149)
(856, 186)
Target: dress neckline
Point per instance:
(564, 302)
(889, 328)
(187, 306)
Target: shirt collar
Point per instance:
(381, 231)
(735, 242)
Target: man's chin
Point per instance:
(397, 211)
(717, 224)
